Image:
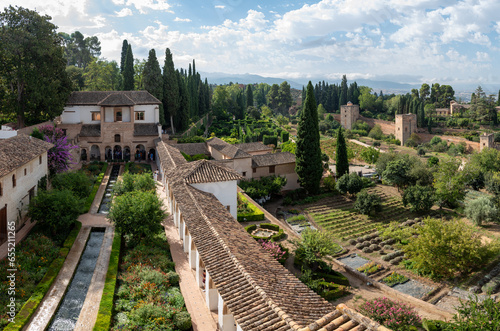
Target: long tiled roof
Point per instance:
(19, 150)
(111, 98)
(227, 149)
(259, 292)
(253, 147)
(270, 159)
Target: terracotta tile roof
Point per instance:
(270, 159)
(111, 98)
(90, 130)
(193, 148)
(205, 171)
(227, 149)
(170, 156)
(259, 292)
(145, 129)
(19, 150)
(253, 147)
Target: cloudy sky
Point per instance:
(408, 41)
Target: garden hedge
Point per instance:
(275, 237)
(95, 188)
(255, 215)
(104, 314)
(24, 315)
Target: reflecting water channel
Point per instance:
(106, 199)
(67, 314)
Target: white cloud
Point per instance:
(220, 7)
(177, 19)
(143, 6)
(124, 12)
(482, 57)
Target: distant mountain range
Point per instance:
(462, 89)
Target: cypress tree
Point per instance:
(249, 96)
(171, 97)
(153, 80)
(124, 54)
(128, 71)
(308, 165)
(341, 160)
(343, 92)
(182, 118)
(498, 98)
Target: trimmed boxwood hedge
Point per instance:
(255, 215)
(104, 315)
(278, 236)
(24, 315)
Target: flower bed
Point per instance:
(148, 297)
(277, 251)
(392, 314)
(247, 211)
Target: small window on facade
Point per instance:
(64, 131)
(96, 116)
(228, 208)
(117, 138)
(272, 169)
(406, 129)
(40, 159)
(1, 190)
(139, 116)
(25, 172)
(244, 174)
(254, 170)
(13, 180)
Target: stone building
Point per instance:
(486, 140)
(406, 124)
(250, 160)
(242, 284)
(23, 162)
(349, 114)
(112, 124)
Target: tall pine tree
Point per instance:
(343, 92)
(171, 97)
(308, 165)
(153, 80)
(128, 71)
(341, 160)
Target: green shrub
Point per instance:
(285, 136)
(367, 202)
(250, 228)
(182, 320)
(75, 181)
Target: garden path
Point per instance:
(201, 317)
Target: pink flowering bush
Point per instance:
(276, 250)
(59, 156)
(394, 315)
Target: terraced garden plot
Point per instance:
(337, 215)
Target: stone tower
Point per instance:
(406, 124)
(486, 140)
(348, 115)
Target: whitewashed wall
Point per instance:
(225, 192)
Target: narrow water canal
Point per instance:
(67, 314)
(106, 199)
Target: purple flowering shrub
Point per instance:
(59, 156)
(394, 315)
